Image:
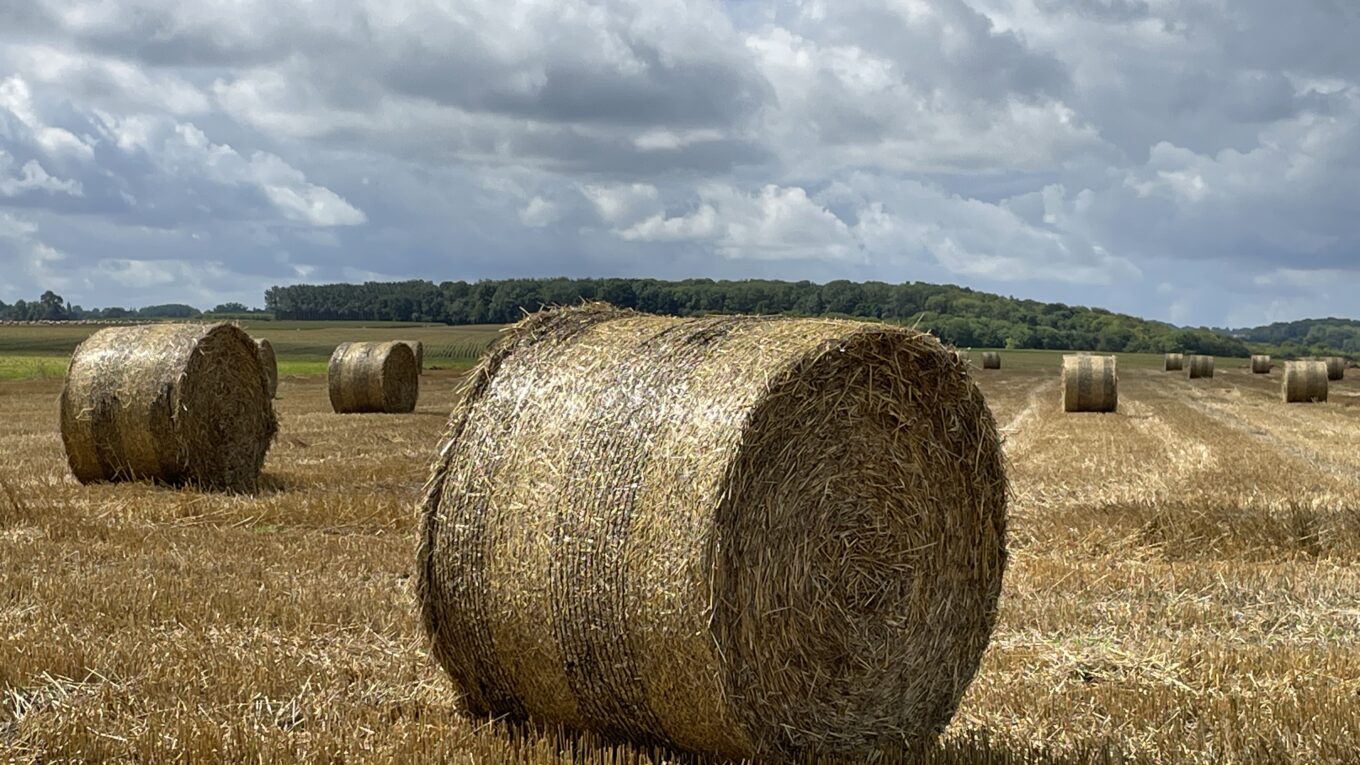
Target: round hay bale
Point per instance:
(373, 377)
(1175, 362)
(417, 348)
(1201, 367)
(1260, 365)
(1090, 383)
(1305, 381)
(270, 364)
(991, 360)
(734, 535)
(177, 403)
(1336, 367)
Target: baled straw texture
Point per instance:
(178, 403)
(1336, 367)
(1201, 367)
(991, 360)
(270, 364)
(1090, 383)
(742, 536)
(1305, 381)
(417, 348)
(1260, 365)
(373, 377)
(1175, 362)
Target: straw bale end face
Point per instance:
(373, 377)
(738, 536)
(177, 403)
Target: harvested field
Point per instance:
(1181, 589)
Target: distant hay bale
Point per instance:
(1090, 383)
(736, 535)
(991, 360)
(373, 377)
(1175, 362)
(1305, 381)
(1201, 367)
(1260, 365)
(1336, 367)
(270, 363)
(417, 348)
(177, 403)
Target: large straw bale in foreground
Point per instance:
(735, 535)
(417, 348)
(1090, 384)
(270, 363)
(991, 360)
(1260, 365)
(373, 377)
(1336, 367)
(1305, 381)
(1201, 367)
(179, 403)
(1175, 362)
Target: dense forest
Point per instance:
(957, 315)
(1304, 337)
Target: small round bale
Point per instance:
(1305, 381)
(1336, 367)
(1090, 383)
(270, 364)
(373, 377)
(417, 348)
(176, 403)
(1260, 365)
(991, 360)
(1175, 362)
(1201, 367)
(739, 536)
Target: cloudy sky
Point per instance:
(1196, 161)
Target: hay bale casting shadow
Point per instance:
(1305, 382)
(373, 377)
(1090, 383)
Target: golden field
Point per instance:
(1184, 587)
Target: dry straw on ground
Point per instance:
(1305, 381)
(1260, 365)
(1336, 367)
(1201, 367)
(738, 535)
(1090, 383)
(373, 377)
(179, 403)
(417, 348)
(270, 364)
(1175, 362)
(991, 360)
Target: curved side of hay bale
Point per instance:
(1174, 362)
(269, 362)
(417, 348)
(178, 403)
(1260, 364)
(1090, 383)
(1305, 381)
(991, 360)
(617, 491)
(373, 377)
(1336, 367)
(1201, 367)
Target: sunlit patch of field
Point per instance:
(1183, 588)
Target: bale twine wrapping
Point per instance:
(1305, 381)
(1260, 365)
(740, 536)
(1201, 367)
(417, 348)
(270, 363)
(373, 377)
(1336, 367)
(1175, 362)
(1090, 383)
(991, 360)
(177, 403)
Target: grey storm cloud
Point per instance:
(1195, 161)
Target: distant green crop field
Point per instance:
(24, 367)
